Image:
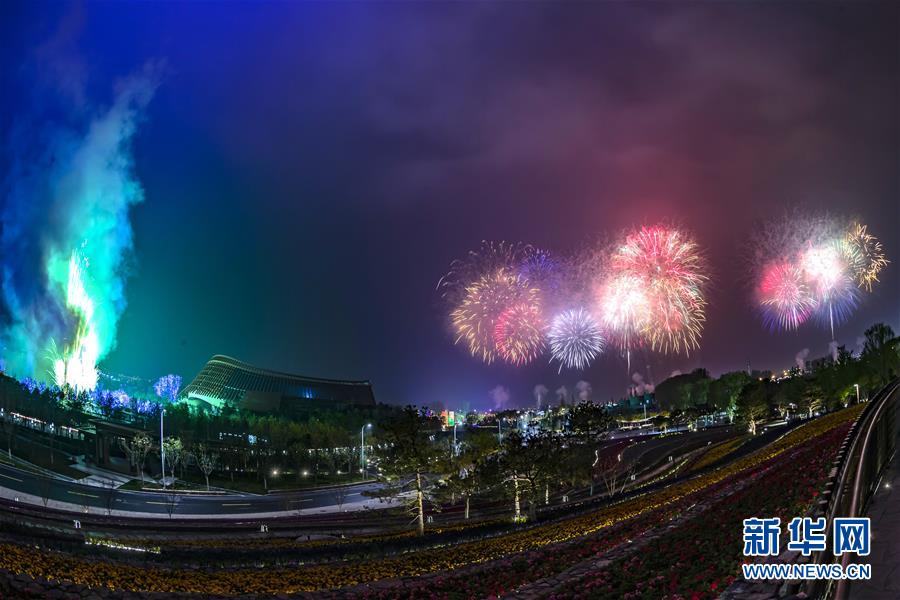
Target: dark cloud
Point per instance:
(311, 169)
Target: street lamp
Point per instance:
(162, 447)
(362, 448)
(856, 385)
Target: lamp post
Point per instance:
(455, 447)
(856, 385)
(162, 446)
(362, 448)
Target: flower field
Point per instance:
(717, 452)
(509, 561)
(701, 557)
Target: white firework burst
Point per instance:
(575, 339)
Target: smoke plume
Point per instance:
(66, 236)
(640, 386)
(800, 359)
(500, 396)
(540, 392)
(583, 391)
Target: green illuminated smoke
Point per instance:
(66, 239)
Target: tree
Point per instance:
(9, 428)
(167, 387)
(588, 420)
(109, 495)
(753, 404)
(788, 393)
(612, 472)
(469, 471)
(206, 461)
(137, 451)
(520, 464)
(172, 500)
(174, 454)
(340, 496)
(45, 486)
(670, 395)
(810, 399)
(407, 459)
(880, 354)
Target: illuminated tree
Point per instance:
(470, 471)
(136, 451)
(174, 454)
(167, 387)
(753, 405)
(407, 460)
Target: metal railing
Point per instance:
(862, 459)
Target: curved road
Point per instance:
(645, 454)
(157, 503)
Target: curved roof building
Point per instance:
(228, 381)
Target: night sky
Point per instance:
(311, 169)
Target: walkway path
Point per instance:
(885, 557)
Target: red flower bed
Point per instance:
(703, 556)
(693, 552)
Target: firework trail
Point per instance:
(624, 310)
(475, 321)
(575, 339)
(827, 271)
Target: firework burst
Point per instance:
(784, 297)
(624, 308)
(812, 265)
(519, 333)
(476, 318)
(668, 265)
(487, 259)
(865, 256)
(543, 270)
(575, 339)
(826, 269)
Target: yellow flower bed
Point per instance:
(53, 565)
(718, 451)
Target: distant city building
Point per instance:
(821, 362)
(225, 381)
(448, 418)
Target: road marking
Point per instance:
(236, 504)
(82, 494)
(8, 477)
(153, 502)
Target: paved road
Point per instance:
(646, 453)
(181, 504)
(654, 450)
